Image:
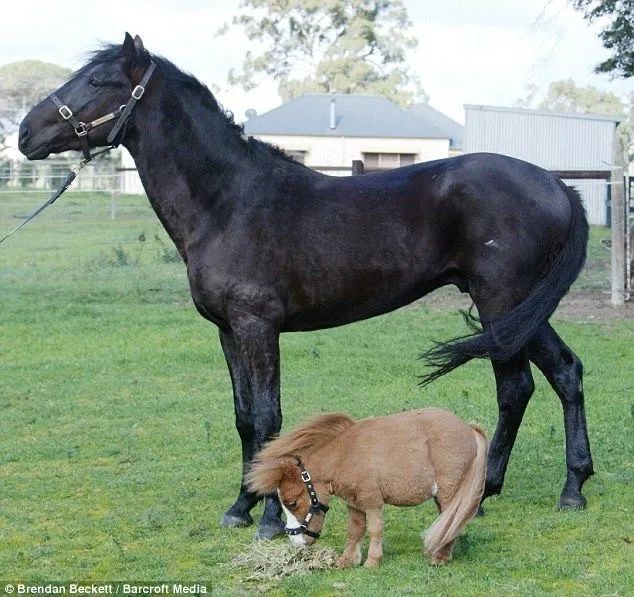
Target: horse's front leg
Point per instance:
(259, 416)
(238, 515)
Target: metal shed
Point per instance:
(553, 140)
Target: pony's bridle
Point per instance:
(316, 507)
(83, 128)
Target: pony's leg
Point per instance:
(356, 530)
(564, 371)
(238, 515)
(375, 530)
(515, 387)
(258, 346)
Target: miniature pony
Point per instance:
(403, 459)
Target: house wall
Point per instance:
(324, 151)
(340, 151)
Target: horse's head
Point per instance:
(304, 512)
(100, 87)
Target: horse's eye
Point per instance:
(291, 505)
(93, 82)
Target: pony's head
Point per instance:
(278, 469)
(304, 521)
(100, 87)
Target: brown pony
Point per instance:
(402, 459)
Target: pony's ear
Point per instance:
(134, 51)
(289, 469)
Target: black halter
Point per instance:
(316, 507)
(83, 128)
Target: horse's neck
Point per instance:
(187, 180)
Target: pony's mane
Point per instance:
(267, 469)
(259, 150)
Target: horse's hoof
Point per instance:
(233, 521)
(572, 502)
(269, 530)
(480, 511)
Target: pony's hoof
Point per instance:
(269, 530)
(372, 563)
(572, 502)
(346, 562)
(234, 521)
(439, 560)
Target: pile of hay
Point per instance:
(272, 560)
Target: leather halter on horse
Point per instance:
(81, 130)
(316, 507)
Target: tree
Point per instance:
(329, 46)
(617, 34)
(566, 96)
(25, 83)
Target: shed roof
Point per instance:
(355, 116)
(442, 122)
(529, 111)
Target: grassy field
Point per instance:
(118, 453)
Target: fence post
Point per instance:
(114, 194)
(617, 217)
(357, 167)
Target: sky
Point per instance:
(469, 51)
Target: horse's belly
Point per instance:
(331, 305)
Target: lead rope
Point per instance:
(72, 175)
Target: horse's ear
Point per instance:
(134, 51)
(129, 50)
(139, 47)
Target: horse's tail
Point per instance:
(464, 505)
(508, 334)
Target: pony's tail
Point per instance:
(508, 334)
(464, 506)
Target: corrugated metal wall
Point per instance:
(548, 139)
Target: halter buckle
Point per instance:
(305, 476)
(65, 112)
(138, 91)
(80, 130)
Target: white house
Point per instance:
(328, 131)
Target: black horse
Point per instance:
(272, 246)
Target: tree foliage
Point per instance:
(24, 83)
(617, 34)
(329, 46)
(566, 96)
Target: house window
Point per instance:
(297, 154)
(388, 160)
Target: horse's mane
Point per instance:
(259, 150)
(267, 469)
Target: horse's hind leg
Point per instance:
(515, 387)
(564, 371)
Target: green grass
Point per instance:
(118, 454)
